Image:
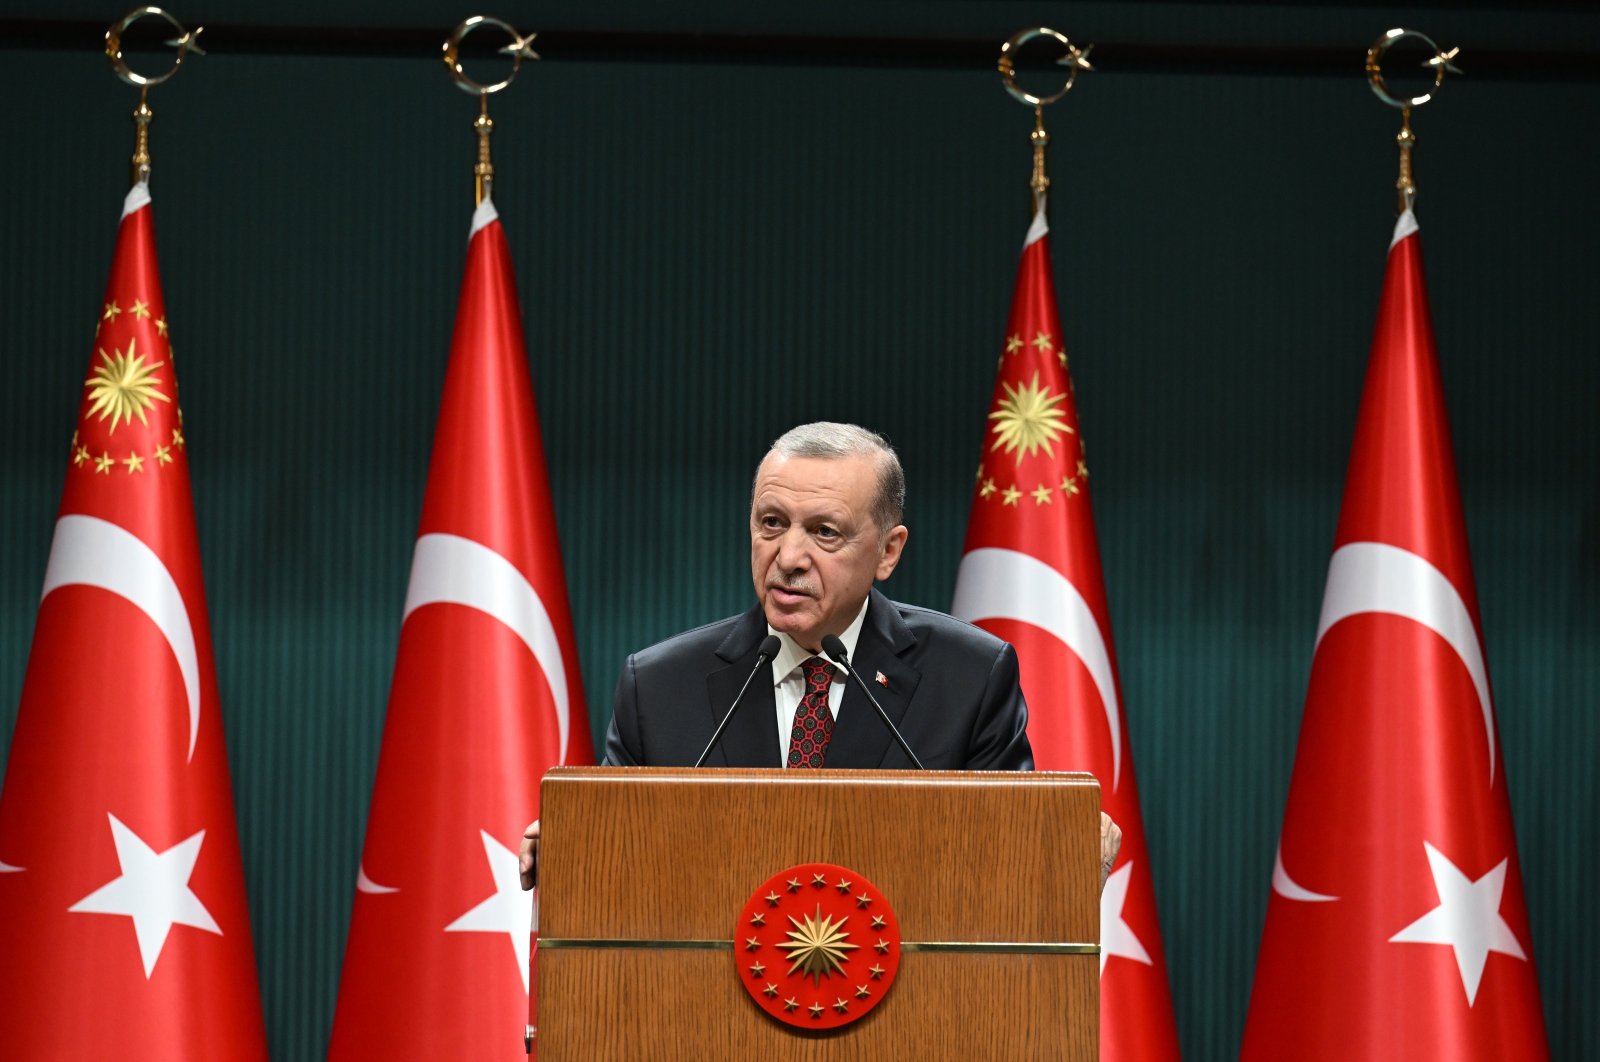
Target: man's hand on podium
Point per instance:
(528, 858)
(1110, 841)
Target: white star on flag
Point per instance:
(507, 910)
(153, 891)
(1116, 935)
(1467, 919)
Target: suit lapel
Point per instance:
(860, 739)
(751, 739)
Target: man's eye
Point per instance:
(827, 533)
(771, 523)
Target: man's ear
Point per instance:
(894, 544)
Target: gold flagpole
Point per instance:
(519, 49)
(1442, 63)
(185, 42)
(1076, 60)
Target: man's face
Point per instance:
(814, 549)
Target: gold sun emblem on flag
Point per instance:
(817, 945)
(123, 387)
(1029, 419)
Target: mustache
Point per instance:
(798, 587)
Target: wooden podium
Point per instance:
(992, 876)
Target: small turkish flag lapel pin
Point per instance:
(882, 680)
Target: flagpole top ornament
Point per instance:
(184, 41)
(1442, 62)
(519, 48)
(1076, 60)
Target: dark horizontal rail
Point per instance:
(559, 46)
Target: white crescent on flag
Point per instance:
(89, 551)
(1288, 888)
(1368, 577)
(449, 569)
(366, 884)
(1375, 577)
(1005, 584)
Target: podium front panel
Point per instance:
(993, 878)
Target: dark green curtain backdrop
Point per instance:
(711, 252)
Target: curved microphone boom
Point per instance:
(769, 649)
(836, 652)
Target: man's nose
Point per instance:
(794, 550)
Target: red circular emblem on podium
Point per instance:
(817, 946)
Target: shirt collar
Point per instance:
(791, 654)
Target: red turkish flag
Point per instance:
(1397, 926)
(123, 922)
(1030, 574)
(486, 697)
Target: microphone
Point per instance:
(769, 649)
(835, 650)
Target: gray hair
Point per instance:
(828, 439)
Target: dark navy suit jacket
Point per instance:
(952, 689)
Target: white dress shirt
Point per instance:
(789, 683)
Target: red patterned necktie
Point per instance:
(813, 723)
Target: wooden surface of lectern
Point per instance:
(648, 877)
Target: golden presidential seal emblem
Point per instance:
(817, 946)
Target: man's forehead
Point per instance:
(835, 477)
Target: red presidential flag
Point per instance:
(1030, 574)
(123, 923)
(486, 697)
(1397, 926)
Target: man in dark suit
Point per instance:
(825, 524)
(950, 688)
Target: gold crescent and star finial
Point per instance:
(519, 48)
(185, 42)
(1440, 63)
(1076, 60)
